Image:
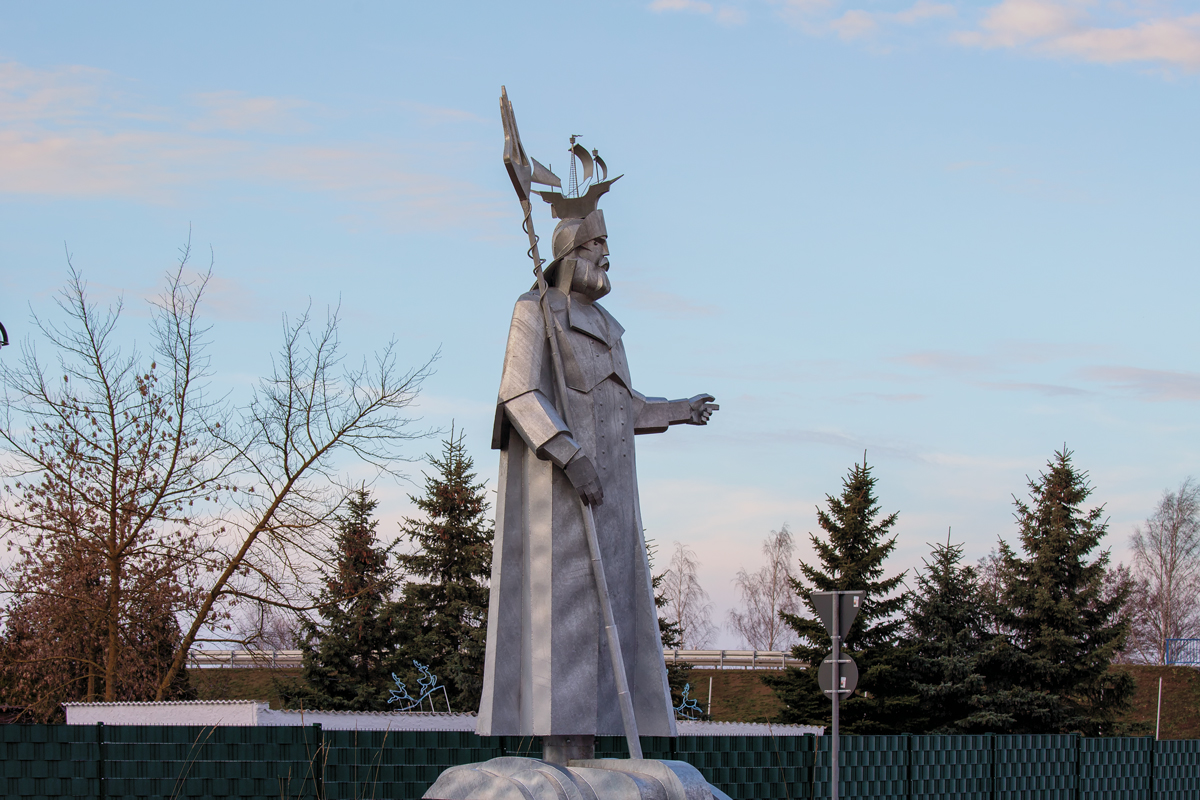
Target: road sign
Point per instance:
(851, 603)
(847, 676)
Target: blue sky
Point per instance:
(955, 235)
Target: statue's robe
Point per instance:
(548, 670)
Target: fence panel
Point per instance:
(873, 767)
(1036, 767)
(1116, 769)
(118, 762)
(1177, 770)
(951, 766)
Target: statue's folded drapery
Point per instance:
(547, 670)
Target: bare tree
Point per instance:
(107, 458)
(1166, 565)
(130, 494)
(268, 627)
(765, 595)
(688, 606)
(312, 412)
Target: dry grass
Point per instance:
(1180, 700)
(737, 695)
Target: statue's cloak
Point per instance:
(548, 670)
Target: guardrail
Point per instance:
(1183, 652)
(733, 659)
(704, 659)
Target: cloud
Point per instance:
(92, 163)
(857, 24)
(886, 397)
(643, 296)
(437, 115)
(68, 132)
(55, 96)
(945, 361)
(1047, 389)
(1016, 22)
(1063, 28)
(235, 111)
(853, 443)
(724, 14)
(694, 6)
(1152, 384)
(983, 370)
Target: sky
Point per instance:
(956, 236)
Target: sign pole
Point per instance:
(837, 657)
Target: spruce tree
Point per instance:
(851, 556)
(1051, 674)
(349, 654)
(947, 627)
(443, 616)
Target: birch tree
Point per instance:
(688, 607)
(766, 594)
(1166, 567)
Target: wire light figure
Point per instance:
(429, 685)
(689, 709)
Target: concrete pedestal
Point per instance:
(579, 779)
(562, 750)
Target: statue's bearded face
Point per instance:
(591, 269)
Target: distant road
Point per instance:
(705, 659)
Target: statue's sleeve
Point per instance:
(526, 387)
(656, 414)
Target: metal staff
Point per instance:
(523, 170)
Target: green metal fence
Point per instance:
(118, 762)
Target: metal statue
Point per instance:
(573, 644)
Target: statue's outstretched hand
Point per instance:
(583, 477)
(702, 408)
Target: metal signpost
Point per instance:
(837, 676)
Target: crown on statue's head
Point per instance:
(575, 204)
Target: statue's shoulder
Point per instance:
(529, 305)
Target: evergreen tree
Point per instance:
(443, 618)
(1050, 674)
(349, 655)
(851, 557)
(947, 626)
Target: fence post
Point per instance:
(100, 754)
(1079, 765)
(812, 771)
(992, 762)
(1153, 769)
(319, 763)
(908, 778)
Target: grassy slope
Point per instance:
(242, 684)
(739, 695)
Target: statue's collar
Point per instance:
(592, 319)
